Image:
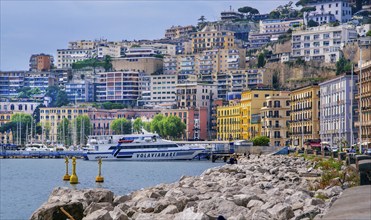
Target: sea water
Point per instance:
(25, 184)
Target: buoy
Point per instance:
(66, 177)
(74, 179)
(99, 178)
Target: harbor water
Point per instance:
(26, 183)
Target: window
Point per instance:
(256, 95)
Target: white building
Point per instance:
(336, 122)
(107, 50)
(66, 57)
(163, 90)
(329, 11)
(322, 43)
(273, 26)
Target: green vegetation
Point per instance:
(121, 126)
(261, 60)
(368, 33)
(58, 96)
(312, 23)
(27, 92)
(343, 66)
(20, 125)
(170, 127)
(261, 141)
(248, 10)
(110, 105)
(137, 125)
(94, 62)
(159, 56)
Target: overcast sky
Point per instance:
(29, 27)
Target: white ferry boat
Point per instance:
(138, 147)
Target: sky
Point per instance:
(29, 27)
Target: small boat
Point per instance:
(141, 147)
(36, 147)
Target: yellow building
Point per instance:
(229, 121)
(365, 104)
(6, 137)
(53, 116)
(5, 117)
(251, 104)
(275, 118)
(304, 114)
(209, 38)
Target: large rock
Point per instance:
(281, 211)
(94, 206)
(121, 199)
(189, 213)
(101, 214)
(215, 206)
(118, 214)
(53, 211)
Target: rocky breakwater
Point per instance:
(269, 187)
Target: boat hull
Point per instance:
(146, 155)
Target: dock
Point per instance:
(40, 154)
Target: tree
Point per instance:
(36, 113)
(112, 105)
(343, 66)
(368, 33)
(261, 60)
(275, 81)
(147, 126)
(83, 129)
(274, 15)
(312, 23)
(307, 9)
(156, 124)
(173, 126)
(63, 134)
(121, 126)
(58, 96)
(107, 63)
(137, 125)
(261, 141)
(202, 19)
(248, 10)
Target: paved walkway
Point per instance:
(354, 203)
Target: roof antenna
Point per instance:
(230, 8)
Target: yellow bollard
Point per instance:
(74, 179)
(66, 177)
(99, 178)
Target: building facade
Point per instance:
(337, 115)
(66, 57)
(229, 121)
(10, 82)
(364, 103)
(275, 120)
(176, 32)
(322, 43)
(163, 90)
(251, 103)
(274, 26)
(41, 62)
(329, 11)
(120, 87)
(305, 115)
(208, 39)
(51, 117)
(25, 107)
(149, 65)
(80, 91)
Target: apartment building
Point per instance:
(10, 82)
(209, 38)
(278, 26)
(41, 62)
(305, 115)
(191, 95)
(66, 57)
(51, 117)
(229, 121)
(41, 80)
(84, 44)
(233, 81)
(275, 115)
(230, 15)
(163, 90)
(176, 32)
(251, 103)
(112, 50)
(364, 100)
(121, 86)
(196, 120)
(329, 11)
(6, 137)
(337, 115)
(322, 43)
(258, 77)
(80, 91)
(258, 40)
